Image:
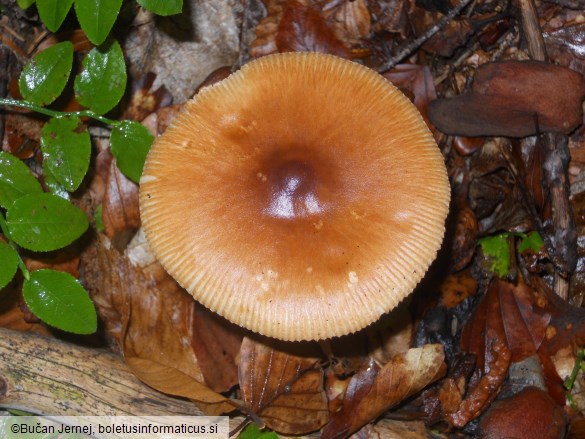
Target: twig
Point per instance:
(562, 240)
(407, 50)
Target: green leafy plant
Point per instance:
(497, 249)
(252, 431)
(42, 221)
(96, 17)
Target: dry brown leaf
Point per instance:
(284, 389)
(120, 214)
(151, 320)
(393, 429)
(373, 390)
(170, 380)
(392, 16)
(143, 99)
(455, 34)
(22, 135)
(464, 241)
(417, 83)
(525, 329)
(303, 29)
(456, 288)
(216, 343)
(514, 99)
(484, 336)
(295, 26)
(265, 42)
(350, 20)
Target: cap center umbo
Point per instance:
(292, 190)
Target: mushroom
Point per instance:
(301, 198)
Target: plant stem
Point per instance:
(54, 113)
(4, 229)
(570, 381)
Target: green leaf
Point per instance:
(43, 79)
(252, 431)
(16, 180)
(24, 4)
(45, 222)
(102, 82)
(130, 143)
(162, 7)
(97, 17)
(66, 149)
(60, 301)
(531, 242)
(496, 250)
(53, 185)
(53, 12)
(8, 263)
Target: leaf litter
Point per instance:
(453, 356)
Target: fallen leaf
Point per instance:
(144, 100)
(568, 38)
(170, 380)
(465, 237)
(120, 212)
(392, 16)
(514, 99)
(416, 81)
(444, 43)
(265, 41)
(374, 389)
(150, 318)
(284, 389)
(393, 429)
(303, 29)
(295, 26)
(350, 20)
(484, 336)
(216, 343)
(525, 329)
(456, 288)
(22, 135)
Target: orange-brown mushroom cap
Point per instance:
(301, 198)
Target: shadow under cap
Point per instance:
(301, 198)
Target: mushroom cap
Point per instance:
(301, 198)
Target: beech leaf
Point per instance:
(151, 318)
(286, 390)
(168, 379)
(374, 389)
(303, 29)
(120, 214)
